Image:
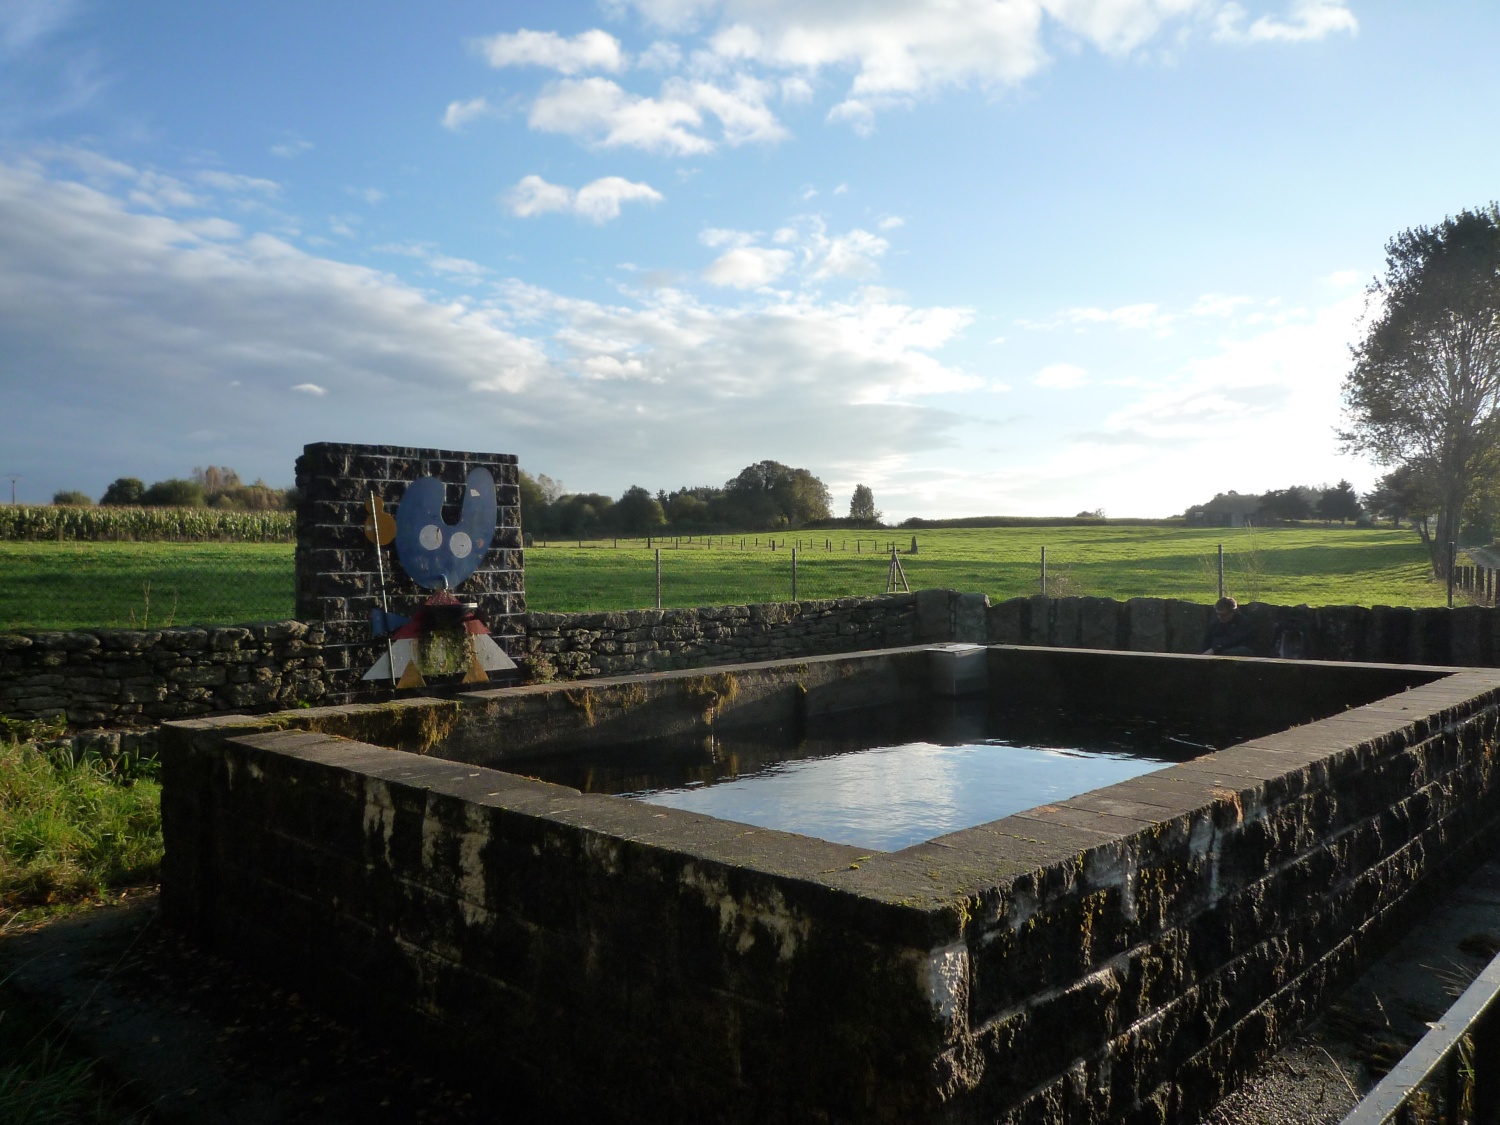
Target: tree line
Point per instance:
(1297, 502)
(765, 496)
(216, 486)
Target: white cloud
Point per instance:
(719, 236)
(1217, 304)
(894, 48)
(436, 261)
(289, 150)
(370, 195)
(588, 50)
(661, 55)
(1143, 315)
(113, 313)
(310, 389)
(459, 114)
(891, 222)
(748, 267)
(534, 196)
(899, 51)
(1306, 20)
(1281, 385)
(806, 244)
(600, 112)
(796, 90)
(1343, 279)
(229, 181)
(1060, 376)
(598, 202)
(850, 255)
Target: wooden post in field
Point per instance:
(1044, 570)
(1452, 566)
(658, 578)
(1221, 570)
(794, 574)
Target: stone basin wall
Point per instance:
(1124, 955)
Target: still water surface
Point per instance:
(883, 778)
(890, 797)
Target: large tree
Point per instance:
(638, 512)
(1424, 389)
(862, 504)
(1339, 503)
(769, 494)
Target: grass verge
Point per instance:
(71, 833)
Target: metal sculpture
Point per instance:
(437, 554)
(444, 636)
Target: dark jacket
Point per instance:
(1222, 636)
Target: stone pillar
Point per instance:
(337, 580)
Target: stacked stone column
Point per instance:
(338, 584)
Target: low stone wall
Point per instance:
(132, 678)
(122, 678)
(1464, 635)
(577, 645)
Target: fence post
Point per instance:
(1452, 565)
(658, 578)
(794, 574)
(1221, 570)
(1044, 571)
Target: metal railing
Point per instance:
(1452, 1075)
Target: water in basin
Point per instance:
(882, 778)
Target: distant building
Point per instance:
(1227, 509)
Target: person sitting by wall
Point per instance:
(1229, 633)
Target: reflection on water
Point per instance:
(882, 778)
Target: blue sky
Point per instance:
(986, 256)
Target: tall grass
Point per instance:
(72, 828)
(182, 525)
(42, 1084)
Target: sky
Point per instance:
(988, 257)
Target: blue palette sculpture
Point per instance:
(443, 636)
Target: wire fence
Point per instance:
(68, 585)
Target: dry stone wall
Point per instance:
(127, 677)
(577, 645)
(113, 678)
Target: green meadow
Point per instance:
(61, 585)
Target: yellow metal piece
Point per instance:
(412, 677)
(475, 673)
(380, 525)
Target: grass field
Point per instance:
(68, 585)
(52, 585)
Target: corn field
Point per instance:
(173, 525)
